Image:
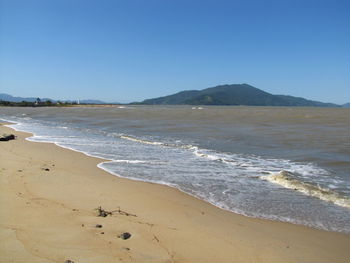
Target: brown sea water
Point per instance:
(283, 163)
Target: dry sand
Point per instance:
(48, 198)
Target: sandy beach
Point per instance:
(49, 198)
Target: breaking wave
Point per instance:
(288, 180)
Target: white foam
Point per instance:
(130, 161)
(286, 180)
(139, 140)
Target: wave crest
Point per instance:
(286, 179)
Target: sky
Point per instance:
(130, 50)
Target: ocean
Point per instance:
(288, 164)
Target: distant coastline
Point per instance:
(46, 104)
(50, 103)
(222, 95)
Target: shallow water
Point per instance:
(288, 164)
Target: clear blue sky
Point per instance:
(131, 50)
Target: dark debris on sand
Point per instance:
(7, 137)
(125, 235)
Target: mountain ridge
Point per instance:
(233, 95)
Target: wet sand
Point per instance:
(48, 201)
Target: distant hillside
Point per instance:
(7, 97)
(346, 105)
(235, 94)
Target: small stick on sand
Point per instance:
(104, 213)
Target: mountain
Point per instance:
(92, 102)
(7, 97)
(346, 105)
(235, 94)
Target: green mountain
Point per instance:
(235, 94)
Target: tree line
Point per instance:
(37, 103)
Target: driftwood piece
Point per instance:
(121, 212)
(7, 137)
(103, 213)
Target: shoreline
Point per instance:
(170, 226)
(174, 186)
(104, 160)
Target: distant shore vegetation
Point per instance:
(37, 103)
